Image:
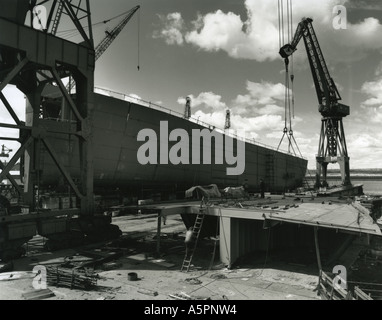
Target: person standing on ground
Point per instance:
(262, 188)
(189, 240)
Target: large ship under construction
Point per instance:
(115, 128)
(78, 146)
(83, 144)
(114, 125)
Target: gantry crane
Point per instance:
(31, 60)
(332, 144)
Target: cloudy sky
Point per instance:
(224, 55)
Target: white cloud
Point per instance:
(261, 99)
(172, 30)
(208, 100)
(271, 109)
(262, 93)
(374, 90)
(238, 122)
(368, 148)
(373, 104)
(364, 141)
(257, 37)
(257, 112)
(220, 31)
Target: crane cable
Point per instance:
(96, 23)
(292, 64)
(70, 33)
(289, 76)
(139, 27)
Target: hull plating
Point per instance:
(115, 126)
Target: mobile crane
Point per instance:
(332, 144)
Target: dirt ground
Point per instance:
(159, 277)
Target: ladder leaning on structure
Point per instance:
(195, 236)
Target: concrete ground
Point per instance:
(159, 277)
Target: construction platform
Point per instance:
(243, 224)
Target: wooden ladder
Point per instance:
(195, 234)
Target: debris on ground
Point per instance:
(185, 296)
(193, 281)
(80, 278)
(38, 294)
(218, 276)
(148, 292)
(180, 296)
(9, 276)
(8, 267)
(111, 266)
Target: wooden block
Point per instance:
(38, 294)
(148, 292)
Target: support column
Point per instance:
(317, 249)
(85, 105)
(225, 241)
(345, 170)
(30, 177)
(159, 225)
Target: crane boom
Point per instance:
(327, 92)
(110, 36)
(108, 39)
(332, 145)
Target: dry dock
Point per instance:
(245, 265)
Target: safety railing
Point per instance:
(155, 106)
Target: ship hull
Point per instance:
(115, 126)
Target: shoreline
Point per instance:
(377, 178)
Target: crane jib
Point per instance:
(332, 143)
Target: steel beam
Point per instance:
(14, 159)
(45, 49)
(62, 168)
(66, 95)
(316, 243)
(69, 9)
(11, 179)
(13, 73)
(9, 108)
